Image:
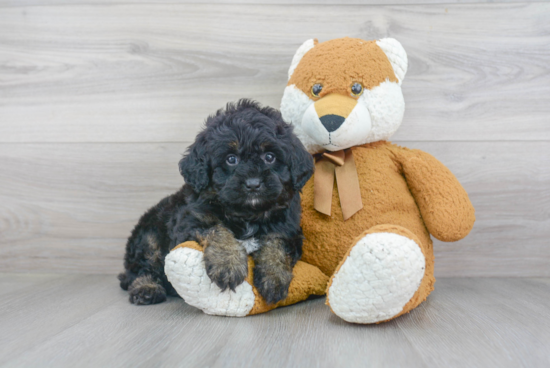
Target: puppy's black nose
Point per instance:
(253, 184)
(332, 122)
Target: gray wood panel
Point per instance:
(33, 315)
(153, 72)
(69, 207)
(10, 282)
(483, 323)
(466, 322)
(19, 3)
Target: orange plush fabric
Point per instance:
(445, 206)
(407, 192)
(386, 200)
(351, 60)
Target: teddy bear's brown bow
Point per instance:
(342, 164)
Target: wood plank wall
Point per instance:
(98, 100)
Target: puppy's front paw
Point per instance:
(227, 267)
(272, 283)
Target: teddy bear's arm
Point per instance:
(443, 202)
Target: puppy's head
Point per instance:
(247, 157)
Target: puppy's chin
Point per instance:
(237, 202)
(255, 201)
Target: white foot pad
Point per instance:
(185, 270)
(381, 274)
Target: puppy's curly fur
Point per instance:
(243, 176)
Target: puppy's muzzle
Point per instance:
(253, 184)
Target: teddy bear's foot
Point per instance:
(184, 267)
(378, 278)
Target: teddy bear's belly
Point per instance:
(386, 200)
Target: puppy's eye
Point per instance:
(232, 160)
(316, 89)
(269, 158)
(357, 89)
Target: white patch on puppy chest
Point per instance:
(251, 245)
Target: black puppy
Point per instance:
(243, 175)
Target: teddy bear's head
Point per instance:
(345, 92)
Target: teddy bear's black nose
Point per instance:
(332, 122)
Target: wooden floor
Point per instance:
(86, 320)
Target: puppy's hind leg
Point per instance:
(145, 290)
(126, 278)
(144, 276)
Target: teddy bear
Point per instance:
(370, 207)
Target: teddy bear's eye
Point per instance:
(356, 89)
(316, 89)
(232, 160)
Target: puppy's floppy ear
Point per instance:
(194, 167)
(301, 161)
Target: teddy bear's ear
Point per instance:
(306, 46)
(396, 55)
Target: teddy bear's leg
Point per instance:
(184, 267)
(386, 272)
